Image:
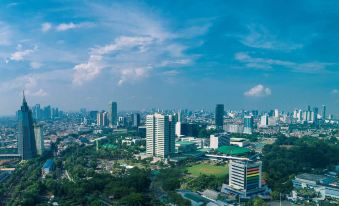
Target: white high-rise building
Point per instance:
(244, 179)
(218, 140)
(102, 118)
(276, 113)
(160, 136)
(264, 120)
(39, 139)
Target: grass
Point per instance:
(208, 169)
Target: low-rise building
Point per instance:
(326, 186)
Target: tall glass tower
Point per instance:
(26, 139)
(112, 113)
(219, 116)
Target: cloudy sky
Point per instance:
(170, 54)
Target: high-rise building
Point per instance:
(323, 114)
(248, 124)
(113, 114)
(315, 115)
(218, 140)
(264, 120)
(244, 179)
(160, 137)
(135, 120)
(276, 113)
(26, 137)
(39, 139)
(47, 113)
(102, 119)
(219, 116)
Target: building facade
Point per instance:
(39, 139)
(245, 179)
(219, 116)
(26, 138)
(113, 114)
(160, 135)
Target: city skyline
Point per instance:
(150, 54)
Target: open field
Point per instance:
(208, 169)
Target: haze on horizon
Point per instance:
(169, 54)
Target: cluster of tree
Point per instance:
(203, 182)
(288, 157)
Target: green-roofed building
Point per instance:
(233, 150)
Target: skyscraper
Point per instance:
(113, 114)
(136, 120)
(315, 115)
(160, 138)
(39, 139)
(219, 116)
(323, 114)
(26, 137)
(102, 118)
(248, 124)
(264, 120)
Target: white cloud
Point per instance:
(46, 27)
(21, 54)
(35, 65)
(260, 37)
(128, 74)
(71, 25)
(94, 66)
(38, 93)
(258, 91)
(267, 63)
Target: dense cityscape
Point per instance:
(169, 103)
(169, 157)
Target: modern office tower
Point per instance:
(315, 115)
(244, 179)
(26, 138)
(264, 120)
(113, 114)
(93, 116)
(276, 113)
(47, 112)
(136, 120)
(178, 125)
(219, 116)
(323, 114)
(248, 124)
(178, 129)
(102, 119)
(39, 139)
(160, 137)
(37, 112)
(55, 113)
(218, 140)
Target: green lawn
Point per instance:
(208, 169)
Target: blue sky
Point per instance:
(170, 54)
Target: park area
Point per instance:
(208, 169)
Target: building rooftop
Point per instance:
(185, 143)
(233, 150)
(311, 177)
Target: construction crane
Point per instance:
(97, 141)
